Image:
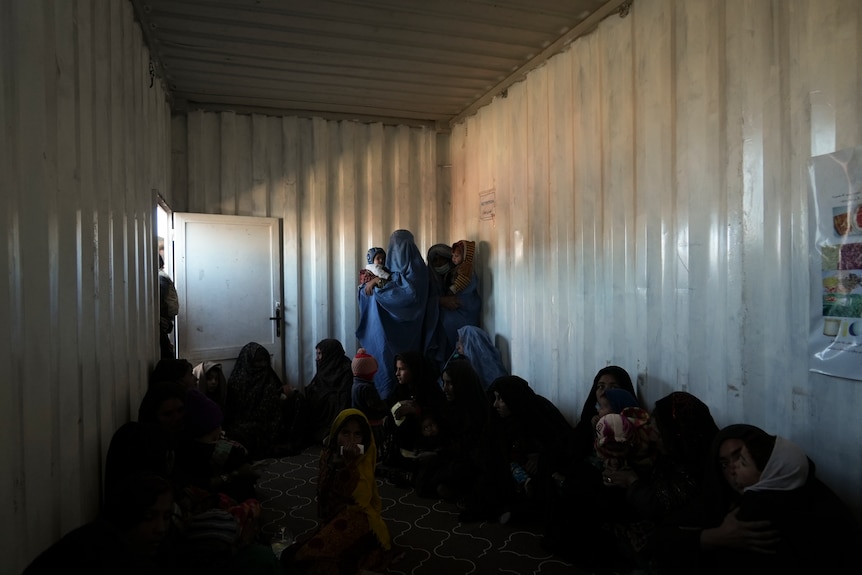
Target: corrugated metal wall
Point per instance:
(84, 144)
(652, 212)
(339, 187)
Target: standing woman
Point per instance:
(329, 392)
(454, 300)
(391, 314)
(353, 537)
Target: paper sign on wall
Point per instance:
(487, 204)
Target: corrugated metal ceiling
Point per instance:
(407, 61)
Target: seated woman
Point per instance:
(178, 370)
(450, 473)
(578, 492)
(328, 394)
(583, 438)
(148, 444)
(685, 430)
(220, 511)
(470, 464)
(208, 462)
(764, 511)
(536, 436)
(476, 346)
(353, 537)
(131, 534)
(260, 408)
(391, 316)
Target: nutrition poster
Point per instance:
(835, 335)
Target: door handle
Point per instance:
(277, 320)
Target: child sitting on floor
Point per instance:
(365, 398)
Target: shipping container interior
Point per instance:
(639, 198)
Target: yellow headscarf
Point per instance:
(365, 496)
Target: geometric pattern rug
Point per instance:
(426, 531)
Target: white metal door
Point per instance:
(228, 277)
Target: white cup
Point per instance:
(831, 325)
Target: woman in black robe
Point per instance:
(328, 394)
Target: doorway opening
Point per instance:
(165, 237)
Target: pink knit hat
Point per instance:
(364, 365)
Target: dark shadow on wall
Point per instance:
(489, 310)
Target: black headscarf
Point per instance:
(332, 366)
(157, 393)
(329, 391)
(170, 370)
(253, 383)
(470, 411)
(687, 430)
(254, 411)
(533, 417)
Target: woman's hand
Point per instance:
(449, 302)
(757, 536)
(408, 407)
(369, 285)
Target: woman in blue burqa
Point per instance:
(451, 305)
(391, 315)
(475, 344)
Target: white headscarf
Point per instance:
(786, 469)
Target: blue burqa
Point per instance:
(391, 319)
(482, 354)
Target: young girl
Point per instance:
(364, 397)
(353, 537)
(211, 381)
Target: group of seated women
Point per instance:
(179, 493)
(626, 489)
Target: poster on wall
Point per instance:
(835, 334)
